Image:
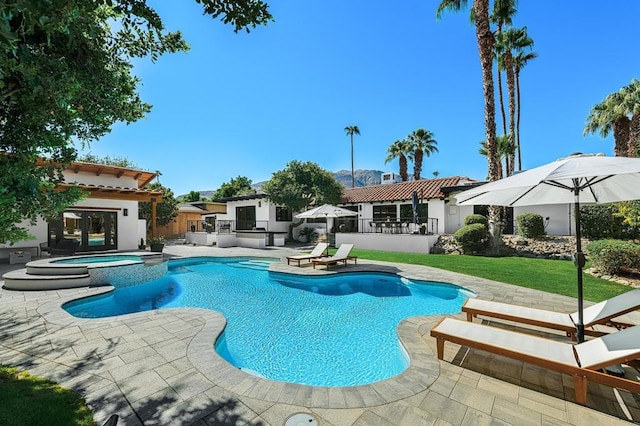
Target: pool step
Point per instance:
(259, 265)
(53, 269)
(22, 280)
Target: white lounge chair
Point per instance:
(601, 313)
(341, 256)
(582, 361)
(317, 251)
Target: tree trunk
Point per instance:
(417, 164)
(634, 136)
(403, 168)
(517, 136)
(292, 226)
(512, 111)
(504, 115)
(486, 41)
(621, 130)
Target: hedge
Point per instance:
(610, 256)
(530, 225)
(471, 238)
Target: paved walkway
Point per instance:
(160, 368)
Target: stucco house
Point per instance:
(106, 220)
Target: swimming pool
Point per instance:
(337, 330)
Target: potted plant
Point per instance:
(156, 244)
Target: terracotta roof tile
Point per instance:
(426, 189)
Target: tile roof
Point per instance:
(402, 191)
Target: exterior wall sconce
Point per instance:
(125, 212)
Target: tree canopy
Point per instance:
(65, 75)
(302, 184)
(192, 196)
(240, 185)
(166, 211)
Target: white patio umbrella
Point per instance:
(579, 178)
(326, 211)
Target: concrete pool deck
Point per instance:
(160, 368)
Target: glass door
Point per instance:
(96, 230)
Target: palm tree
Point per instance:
(505, 149)
(485, 41)
(519, 61)
(401, 150)
(513, 40)
(502, 14)
(421, 142)
(618, 113)
(352, 130)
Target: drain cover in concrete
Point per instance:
(301, 419)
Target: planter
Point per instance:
(157, 247)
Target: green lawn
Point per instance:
(31, 400)
(553, 276)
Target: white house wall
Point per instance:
(455, 216)
(106, 180)
(560, 216)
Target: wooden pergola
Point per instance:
(143, 178)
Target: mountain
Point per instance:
(362, 178)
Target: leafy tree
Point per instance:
(166, 211)
(300, 185)
(352, 130)
(66, 75)
(400, 149)
(240, 185)
(192, 196)
(422, 143)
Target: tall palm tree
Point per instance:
(501, 15)
(401, 150)
(513, 40)
(422, 143)
(485, 41)
(352, 130)
(520, 61)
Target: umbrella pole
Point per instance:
(579, 261)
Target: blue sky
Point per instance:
(246, 104)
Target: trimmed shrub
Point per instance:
(476, 218)
(471, 238)
(610, 256)
(601, 221)
(530, 225)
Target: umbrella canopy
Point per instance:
(579, 178)
(326, 211)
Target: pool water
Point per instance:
(98, 259)
(337, 330)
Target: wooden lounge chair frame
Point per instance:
(318, 251)
(577, 361)
(601, 313)
(341, 256)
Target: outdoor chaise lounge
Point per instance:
(581, 361)
(317, 251)
(601, 313)
(341, 256)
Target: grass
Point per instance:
(553, 276)
(31, 400)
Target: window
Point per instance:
(245, 217)
(384, 212)
(96, 230)
(283, 214)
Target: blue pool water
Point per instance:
(98, 259)
(337, 330)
